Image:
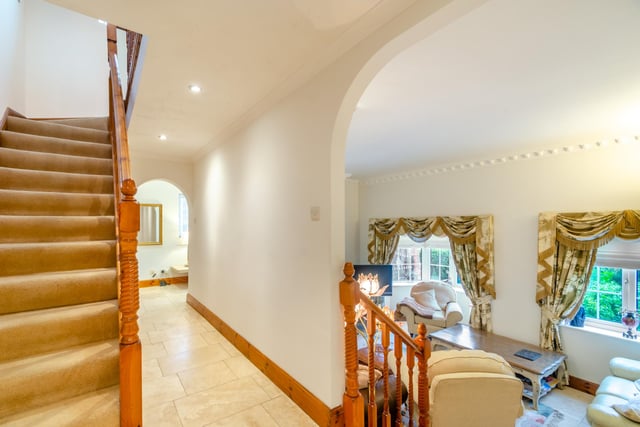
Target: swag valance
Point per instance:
(567, 248)
(471, 239)
(579, 231)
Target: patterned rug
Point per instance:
(545, 416)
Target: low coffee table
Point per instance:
(549, 363)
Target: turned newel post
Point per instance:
(423, 387)
(130, 347)
(352, 400)
(129, 217)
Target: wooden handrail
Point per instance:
(127, 227)
(136, 48)
(416, 349)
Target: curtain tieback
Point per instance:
(549, 316)
(485, 299)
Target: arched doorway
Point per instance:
(164, 236)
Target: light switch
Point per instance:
(315, 213)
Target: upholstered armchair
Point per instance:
(472, 388)
(432, 303)
(617, 401)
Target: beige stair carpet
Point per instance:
(58, 290)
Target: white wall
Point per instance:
(12, 56)
(257, 260)
(66, 70)
(352, 220)
(155, 258)
(515, 192)
(145, 169)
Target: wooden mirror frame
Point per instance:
(150, 224)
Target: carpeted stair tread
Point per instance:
(47, 144)
(59, 318)
(42, 379)
(23, 179)
(21, 159)
(58, 130)
(41, 331)
(55, 289)
(100, 408)
(21, 202)
(28, 228)
(100, 123)
(25, 258)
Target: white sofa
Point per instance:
(616, 389)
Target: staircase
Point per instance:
(59, 349)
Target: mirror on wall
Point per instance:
(150, 224)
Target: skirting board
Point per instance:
(314, 407)
(168, 280)
(583, 385)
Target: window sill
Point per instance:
(604, 332)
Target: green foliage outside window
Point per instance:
(439, 264)
(603, 299)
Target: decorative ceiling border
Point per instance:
(455, 167)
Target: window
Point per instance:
(183, 218)
(613, 285)
(407, 265)
(439, 265)
(431, 260)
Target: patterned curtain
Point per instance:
(567, 247)
(471, 239)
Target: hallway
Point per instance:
(192, 376)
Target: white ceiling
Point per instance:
(509, 77)
(245, 54)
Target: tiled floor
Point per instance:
(192, 376)
(571, 403)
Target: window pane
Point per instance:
(603, 299)
(435, 256)
(444, 273)
(610, 305)
(610, 279)
(435, 272)
(590, 304)
(407, 264)
(445, 257)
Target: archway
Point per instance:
(164, 259)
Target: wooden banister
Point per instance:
(127, 227)
(416, 349)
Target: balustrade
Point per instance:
(412, 350)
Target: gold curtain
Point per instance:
(471, 239)
(567, 247)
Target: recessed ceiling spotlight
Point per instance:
(162, 137)
(195, 89)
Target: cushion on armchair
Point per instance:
(629, 410)
(427, 299)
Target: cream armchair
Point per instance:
(472, 388)
(432, 303)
